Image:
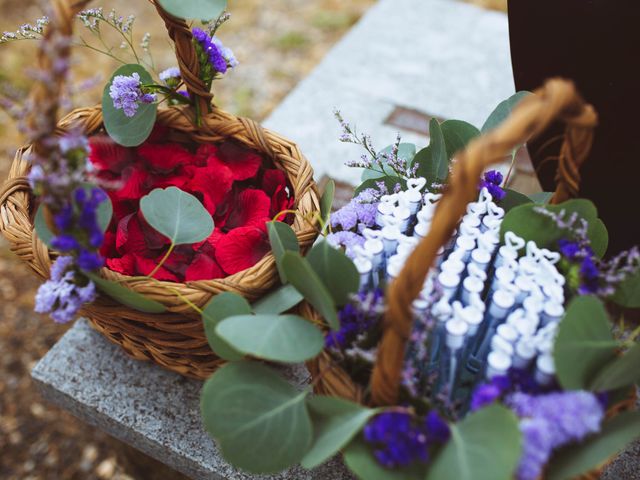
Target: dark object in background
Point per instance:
(596, 43)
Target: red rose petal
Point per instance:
(241, 248)
(203, 267)
(129, 236)
(144, 266)
(243, 162)
(108, 249)
(135, 184)
(107, 155)
(204, 153)
(211, 184)
(165, 158)
(273, 180)
(125, 265)
(251, 208)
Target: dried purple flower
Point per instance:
(127, 93)
(492, 181)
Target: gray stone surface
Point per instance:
(445, 58)
(154, 410)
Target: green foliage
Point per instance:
(358, 456)
(621, 372)
(525, 222)
(433, 160)
(584, 343)
(326, 201)
(336, 271)
(503, 110)
(194, 9)
(104, 214)
(177, 215)
(129, 131)
(260, 421)
(221, 307)
(310, 285)
(389, 181)
(278, 301)
(542, 198)
(278, 338)
(125, 296)
(457, 135)
(335, 423)
(513, 199)
(628, 292)
(592, 452)
(486, 445)
(283, 239)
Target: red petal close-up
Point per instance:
(210, 184)
(130, 237)
(242, 248)
(165, 158)
(251, 209)
(274, 183)
(107, 155)
(243, 162)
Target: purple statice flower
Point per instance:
(127, 95)
(589, 276)
(492, 181)
(356, 318)
(61, 296)
(171, 75)
(348, 240)
(346, 218)
(438, 430)
(569, 249)
(616, 270)
(361, 210)
(219, 57)
(551, 421)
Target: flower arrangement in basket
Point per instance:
(137, 215)
(466, 332)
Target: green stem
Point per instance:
(164, 259)
(91, 47)
(513, 164)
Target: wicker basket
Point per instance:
(176, 339)
(557, 100)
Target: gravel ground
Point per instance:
(277, 45)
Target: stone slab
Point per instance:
(145, 406)
(444, 58)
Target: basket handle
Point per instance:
(187, 58)
(556, 100)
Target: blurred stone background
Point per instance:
(277, 43)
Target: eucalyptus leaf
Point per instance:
(358, 456)
(512, 199)
(433, 161)
(457, 135)
(177, 215)
(406, 151)
(306, 280)
(283, 239)
(278, 301)
(125, 296)
(584, 343)
(486, 445)
(278, 338)
(389, 181)
(336, 270)
(221, 307)
(195, 9)
(259, 420)
(336, 422)
(103, 214)
(129, 131)
(542, 198)
(529, 224)
(579, 458)
(503, 110)
(326, 201)
(621, 372)
(628, 292)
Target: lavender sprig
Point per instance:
(26, 31)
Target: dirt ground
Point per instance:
(277, 43)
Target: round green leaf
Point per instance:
(486, 445)
(198, 9)
(512, 199)
(177, 215)
(579, 458)
(433, 161)
(584, 343)
(278, 301)
(260, 422)
(336, 422)
(283, 239)
(628, 292)
(503, 110)
(309, 284)
(621, 372)
(358, 456)
(326, 201)
(541, 197)
(279, 338)
(457, 135)
(221, 307)
(129, 131)
(336, 270)
(125, 296)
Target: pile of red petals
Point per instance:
(239, 188)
